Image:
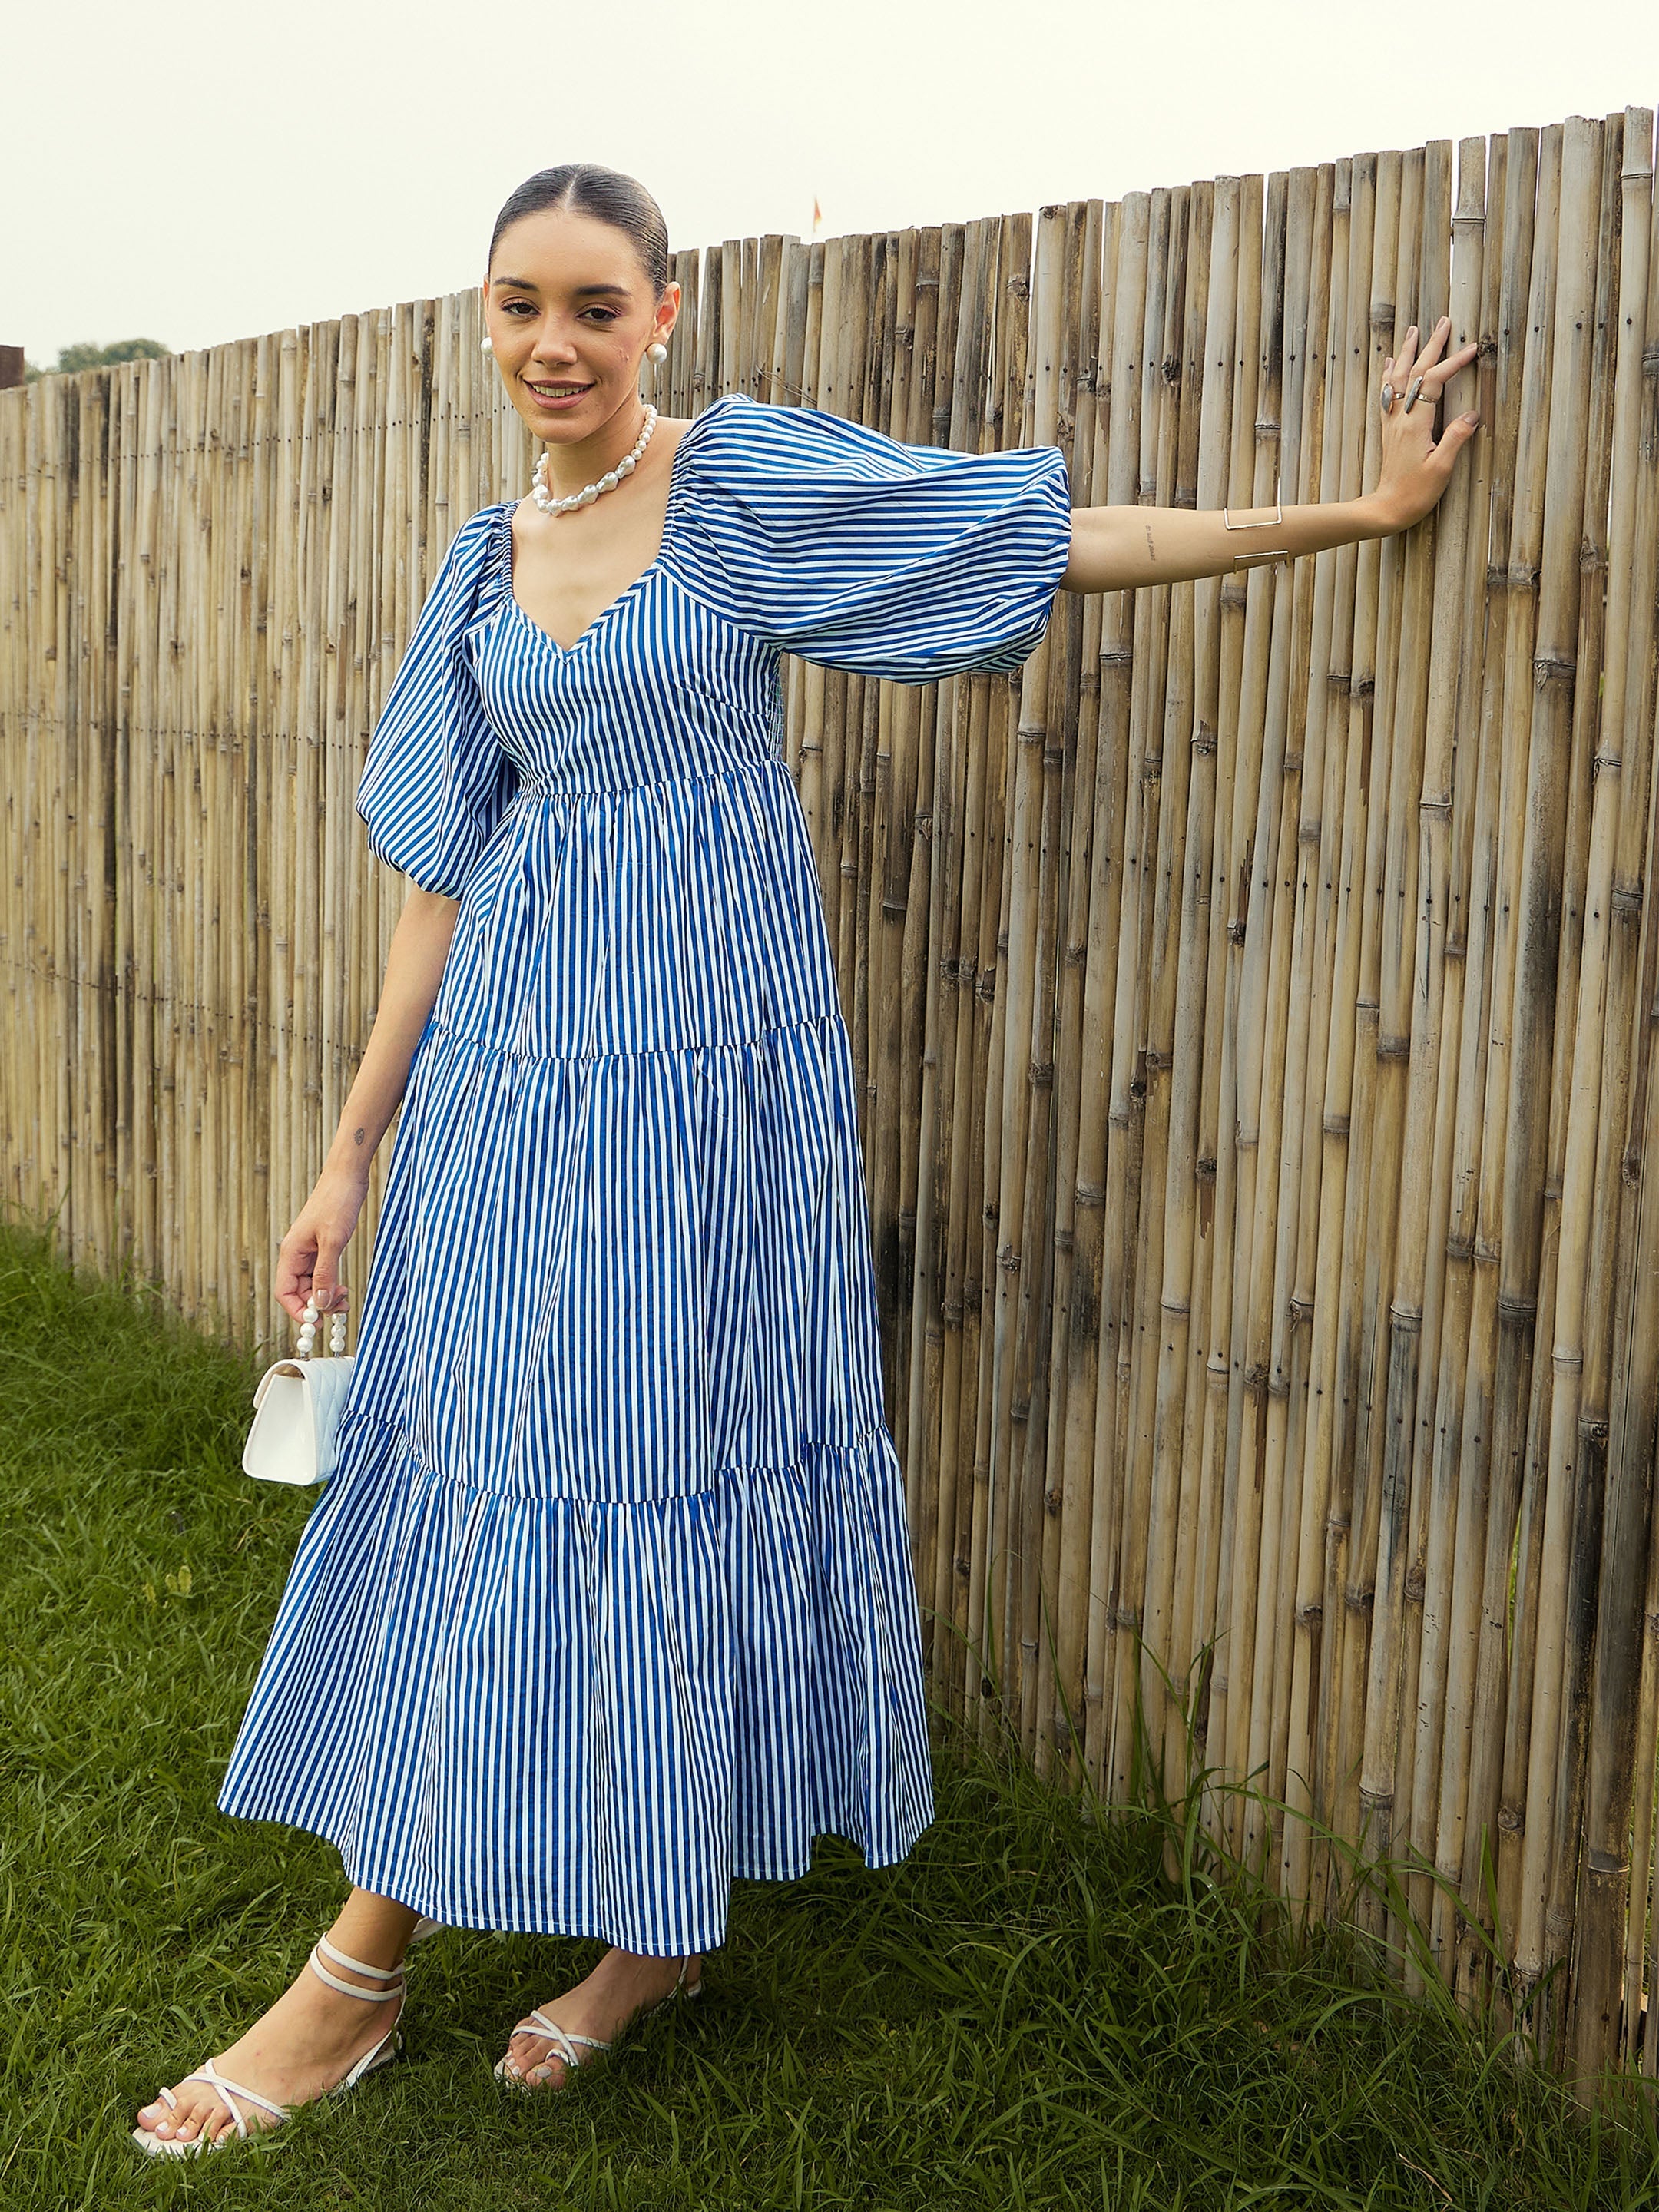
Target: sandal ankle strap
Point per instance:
(373, 1973)
(350, 1988)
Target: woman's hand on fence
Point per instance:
(1416, 468)
(308, 1257)
(1116, 549)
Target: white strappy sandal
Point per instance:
(564, 2040)
(235, 2096)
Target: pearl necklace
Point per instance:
(608, 482)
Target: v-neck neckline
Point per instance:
(509, 509)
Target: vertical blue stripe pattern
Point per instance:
(610, 1598)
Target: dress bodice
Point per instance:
(657, 686)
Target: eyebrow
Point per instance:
(581, 292)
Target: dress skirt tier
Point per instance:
(610, 1597)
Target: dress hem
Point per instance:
(431, 1906)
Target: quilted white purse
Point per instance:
(297, 1408)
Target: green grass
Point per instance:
(1023, 2014)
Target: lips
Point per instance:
(551, 395)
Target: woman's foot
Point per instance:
(621, 1987)
(307, 2043)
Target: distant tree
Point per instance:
(72, 358)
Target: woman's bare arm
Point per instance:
(307, 1263)
(1115, 549)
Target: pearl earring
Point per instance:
(485, 344)
(656, 353)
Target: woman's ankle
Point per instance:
(374, 1929)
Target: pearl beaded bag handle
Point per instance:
(297, 1407)
(308, 1321)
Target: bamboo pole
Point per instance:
(1266, 923)
(1461, 1426)
(1450, 780)
(1007, 1098)
(965, 1409)
(1026, 1079)
(1367, 1104)
(961, 320)
(1165, 1271)
(1416, 874)
(1338, 952)
(1309, 1462)
(1148, 998)
(1543, 623)
(1572, 1435)
(1240, 957)
(1078, 1089)
(1619, 1820)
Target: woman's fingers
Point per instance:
(1414, 362)
(308, 1265)
(1436, 346)
(1416, 359)
(1453, 439)
(292, 1273)
(324, 1283)
(1440, 459)
(1407, 378)
(1444, 371)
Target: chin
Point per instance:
(594, 407)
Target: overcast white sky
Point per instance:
(193, 172)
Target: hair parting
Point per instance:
(586, 188)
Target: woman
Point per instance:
(610, 1597)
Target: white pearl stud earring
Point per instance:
(656, 352)
(484, 346)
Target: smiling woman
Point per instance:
(610, 1600)
(568, 320)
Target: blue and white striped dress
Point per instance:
(610, 1599)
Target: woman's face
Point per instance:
(569, 314)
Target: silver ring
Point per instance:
(1416, 393)
(1388, 397)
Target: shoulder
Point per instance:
(473, 556)
(476, 539)
(725, 426)
(736, 424)
(741, 443)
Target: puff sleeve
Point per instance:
(839, 543)
(436, 782)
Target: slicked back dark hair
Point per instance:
(585, 188)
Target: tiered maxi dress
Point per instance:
(610, 1598)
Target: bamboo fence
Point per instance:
(1254, 998)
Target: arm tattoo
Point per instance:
(1151, 554)
(358, 1139)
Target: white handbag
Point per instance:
(297, 1408)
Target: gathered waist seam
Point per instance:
(829, 1017)
(539, 787)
